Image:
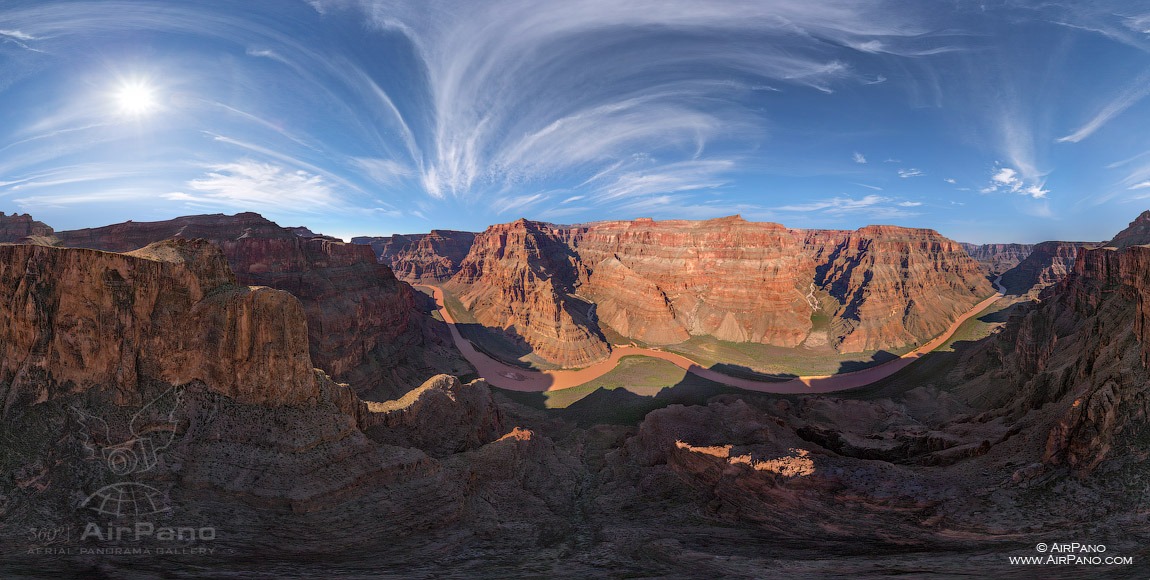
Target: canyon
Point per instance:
(1030, 431)
(996, 259)
(1047, 264)
(364, 326)
(558, 289)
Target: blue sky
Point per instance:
(990, 122)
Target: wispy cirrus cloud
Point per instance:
(520, 95)
(245, 183)
(871, 206)
(908, 173)
(1127, 98)
(858, 157)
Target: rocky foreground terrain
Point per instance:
(364, 326)
(153, 390)
(558, 289)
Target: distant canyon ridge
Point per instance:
(561, 289)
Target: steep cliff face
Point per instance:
(422, 258)
(1082, 351)
(738, 281)
(73, 320)
(898, 286)
(998, 258)
(1047, 264)
(664, 281)
(521, 277)
(204, 390)
(362, 322)
(16, 227)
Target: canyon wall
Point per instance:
(998, 258)
(879, 287)
(521, 277)
(77, 319)
(1082, 350)
(16, 227)
(363, 325)
(422, 258)
(1047, 264)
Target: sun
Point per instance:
(136, 99)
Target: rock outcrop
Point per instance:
(16, 227)
(998, 258)
(881, 287)
(75, 320)
(422, 258)
(521, 277)
(1081, 351)
(363, 325)
(1047, 264)
(443, 416)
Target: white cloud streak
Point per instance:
(1125, 100)
(249, 184)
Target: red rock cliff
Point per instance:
(662, 282)
(362, 324)
(1081, 351)
(1047, 264)
(520, 276)
(15, 227)
(422, 258)
(74, 319)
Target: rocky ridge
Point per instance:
(364, 327)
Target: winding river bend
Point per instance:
(513, 378)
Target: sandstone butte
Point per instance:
(556, 287)
(363, 325)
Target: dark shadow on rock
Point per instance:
(623, 407)
(877, 358)
(505, 345)
(743, 372)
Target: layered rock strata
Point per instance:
(363, 324)
(998, 258)
(422, 258)
(662, 282)
(16, 227)
(1048, 264)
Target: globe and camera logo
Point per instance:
(150, 431)
(132, 456)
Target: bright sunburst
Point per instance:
(136, 99)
